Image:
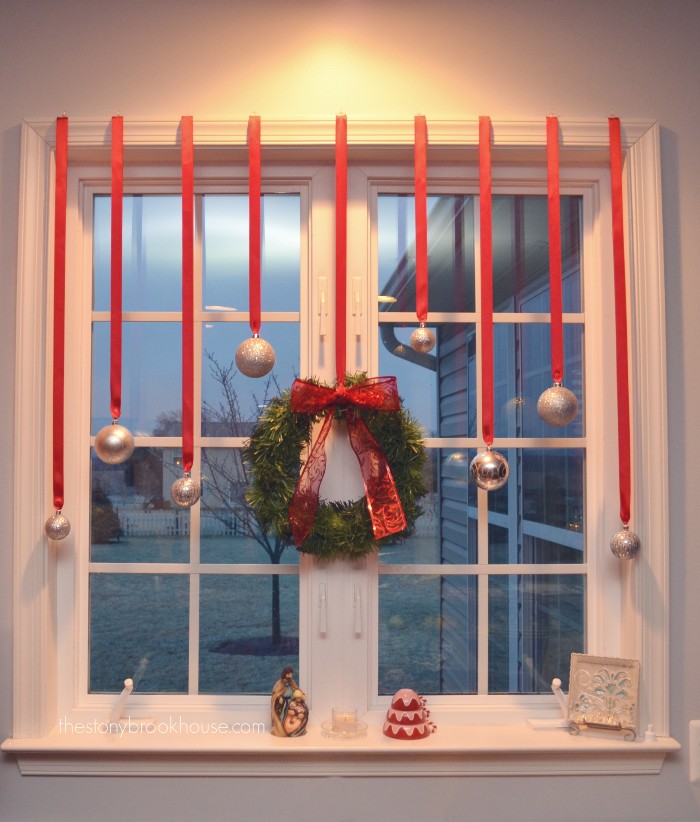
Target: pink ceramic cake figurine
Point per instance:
(407, 718)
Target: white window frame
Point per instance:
(455, 749)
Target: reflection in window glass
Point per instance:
(522, 371)
(225, 252)
(151, 377)
(535, 624)
(132, 518)
(139, 629)
(450, 252)
(521, 253)
(427, 634)
(229, 530)
(249, 631)
(151, 252)
(542, 502)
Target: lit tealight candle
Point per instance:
(344, 719)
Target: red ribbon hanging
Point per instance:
(341, 244)
(623, 402)
(59, 306)
(254, 186)
(420, 164)
(187, 139)
(383, 503)
(115, 334)
(486, 236)
(555, 271)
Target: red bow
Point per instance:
(383, 503)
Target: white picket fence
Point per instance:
(139, 523)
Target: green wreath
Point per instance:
(341, 530)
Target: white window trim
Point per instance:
(476, 749)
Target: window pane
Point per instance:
(450, 252)
(439, 388)
(521, 253)
(151, 377)
(522, 371)
(446, 531)
(249, 631)
(535, 624)
(132, 518)
(138, 629)
(427, 634)
(538, 516)
(230, 531)
(152, 252)
(231, 402)
(225, 252)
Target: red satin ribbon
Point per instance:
(623, 401)
(486, 236)
(383, 503)
(59, 306)
(254, 185)
(187, 140)
(420, 165)
(341, 244)
(115, 333)
(556, 328)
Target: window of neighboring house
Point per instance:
(484, 603)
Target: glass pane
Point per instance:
(427, 634)
(446, 531)
(249, 631)
(151, 378)
(539, 513)
(152, 252)
(132, 518)
(521, 253)
(535, 624)
(230, 531)
(450, 252)
(231, 402)
(225, 252)
(139, 629)
(523, 370)
(439, 388)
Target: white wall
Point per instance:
(448, 59)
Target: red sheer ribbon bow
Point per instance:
(383, 503)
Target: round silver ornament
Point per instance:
(557, 405)
(185, 491)
(255, 357)
(489, 470)
(422, 339)
(114, 444)
(625, 544)
(57, 526)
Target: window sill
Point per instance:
(474, 750)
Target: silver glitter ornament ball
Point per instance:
(255, 357)
(625, 544)
(57, 526)
(557, 406)
(422, 340)
(185, 491)
(489, 470)
(114, 444)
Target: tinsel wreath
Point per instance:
(341, 529)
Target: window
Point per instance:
(482, 606)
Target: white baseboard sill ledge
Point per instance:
(478, 750)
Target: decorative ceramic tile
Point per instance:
(603, 691)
